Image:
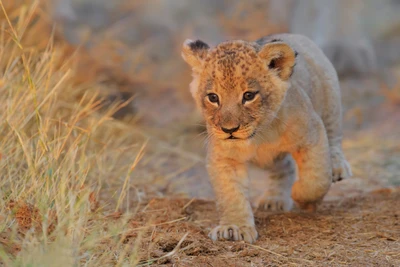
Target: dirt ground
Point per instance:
(358, 231)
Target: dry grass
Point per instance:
(56, 152)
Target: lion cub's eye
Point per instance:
(213, 98)
(248, 96)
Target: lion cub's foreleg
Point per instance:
(315, 170)
(230, 182)
(281, 175)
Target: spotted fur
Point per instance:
(292, 116)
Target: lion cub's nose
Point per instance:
(230, 131)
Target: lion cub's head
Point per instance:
(239, 86)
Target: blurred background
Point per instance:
(136, 47)
(142, 39)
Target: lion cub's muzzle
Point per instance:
(235, 134)
(230, 131)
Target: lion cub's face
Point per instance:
(239, 86)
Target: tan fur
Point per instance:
(294, 118)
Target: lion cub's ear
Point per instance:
(194, 53)
(279, 56)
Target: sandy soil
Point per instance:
(358, 231)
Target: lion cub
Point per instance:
(273, 102)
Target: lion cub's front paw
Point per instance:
(235, 233)
(275, 203)
(340, 168)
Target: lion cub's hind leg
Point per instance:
(340, 167)
(333, 125)
(282, 174)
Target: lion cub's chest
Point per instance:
(261, 154)
(265, 154)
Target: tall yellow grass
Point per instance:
(56, 152)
